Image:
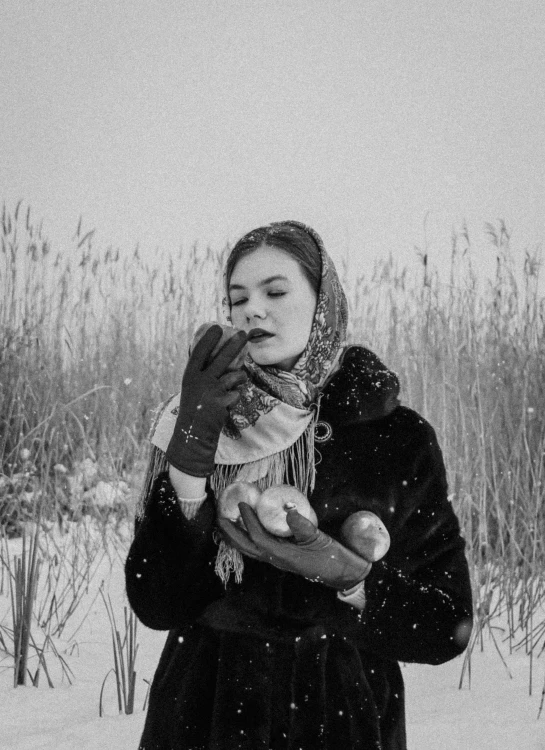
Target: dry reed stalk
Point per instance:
(125, 650)
(23, 574)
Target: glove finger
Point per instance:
(233, 379)
(303, 530)
(238, 538)
(204, 347)
(229, 399)
(227, 354)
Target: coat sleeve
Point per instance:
(169, 571)
(419, 602)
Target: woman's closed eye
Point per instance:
(242, 300)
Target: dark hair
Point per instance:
(292, 239)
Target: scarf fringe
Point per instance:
(264, 473)
(228, 560)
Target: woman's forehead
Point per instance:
(265, 264)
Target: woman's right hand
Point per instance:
(208, 391)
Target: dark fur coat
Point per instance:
(279, 661)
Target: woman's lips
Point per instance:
(256, 335)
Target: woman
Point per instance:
(292, 643)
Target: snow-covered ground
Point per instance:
(495, 714)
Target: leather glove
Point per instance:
(207, 393)
(310, 553)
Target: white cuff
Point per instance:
(354, 596)
(190, 505)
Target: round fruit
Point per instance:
(227, 333)
(274, 504)
(365, 534)
(232, 495)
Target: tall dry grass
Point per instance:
(93, 339)
(470, 353)
(90, 340)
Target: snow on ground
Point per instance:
(495, 714)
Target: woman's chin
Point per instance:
(260, 358)
(272, 361)
(267, 355)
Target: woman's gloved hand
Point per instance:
(207, 393)
(310, 552)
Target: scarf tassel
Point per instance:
(264, 473)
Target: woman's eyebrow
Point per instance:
(261, 283)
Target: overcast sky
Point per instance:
(178, 120)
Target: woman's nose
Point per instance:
(255, 308)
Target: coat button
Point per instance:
(323, 431)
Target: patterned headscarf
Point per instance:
(300, 386)
(270, 431)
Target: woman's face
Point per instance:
(269, 291)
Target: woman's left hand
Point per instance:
(309, 553)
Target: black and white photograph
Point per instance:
(272, 375)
